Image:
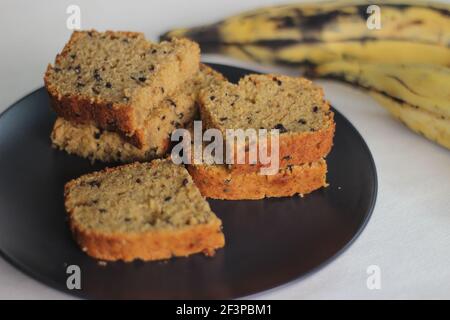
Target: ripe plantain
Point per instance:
(420, 85)
(295, 34)
(312, 54)
(429, 125)
(404, 65)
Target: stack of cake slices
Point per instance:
(119, 97)
(294, 106)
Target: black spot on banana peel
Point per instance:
(312, 23)
(207, 36)
(402, 83)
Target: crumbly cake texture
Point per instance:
(114, 80)
(294, 106)
(145, 211)
(175, 111)
(88, 141)
(221, 182)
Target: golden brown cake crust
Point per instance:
(218, 182)
(154, 246)
(81, 110)
(88, 141)
(297, 149)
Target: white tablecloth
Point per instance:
(408, 236)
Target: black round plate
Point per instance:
(268, 242)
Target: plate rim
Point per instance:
(78, 293)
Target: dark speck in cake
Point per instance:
(173, 104)
(94, 183)
(97, 135)
(278, 81)
(281, 128)
(97, 76)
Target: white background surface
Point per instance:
(408, 236)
